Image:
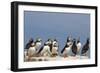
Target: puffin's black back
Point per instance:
(64, 48)
(85, 47)
(50, 45)
(40, 49)
(29, 44)
(74, 47)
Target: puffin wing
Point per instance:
(63, 49)
(50, 47)
(74, 49)
(27, 46)
(40, 49)
(85, 49)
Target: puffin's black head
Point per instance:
(78, 40)
(74, 41)
(38, 40)
(45, 44)
(49, 41)
(31, 41)
(69, 38)
(28, 45)
(55, 40)
(87, 40)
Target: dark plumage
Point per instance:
(50, 45)
(85, 47)
(40, 49)
(68, 40)
(64, 48)
(45, 44)
(78, 41)
(74, 47)
(55, 40)
(29, 44)
(38, 40)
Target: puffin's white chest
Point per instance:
(79, 46)
(38, 45)
(46, 51)
(46, 48)
(31, 51)
(54, 49)
(67, 50)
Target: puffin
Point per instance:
(32, 50)
(74, 48)
(85, 47)
(28, 45)
(55, 48)
(38, 43)
(79, 45)
(65, 51)
(45, 50)
(50, 43)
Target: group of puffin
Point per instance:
(75, 47)
(50, 48)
